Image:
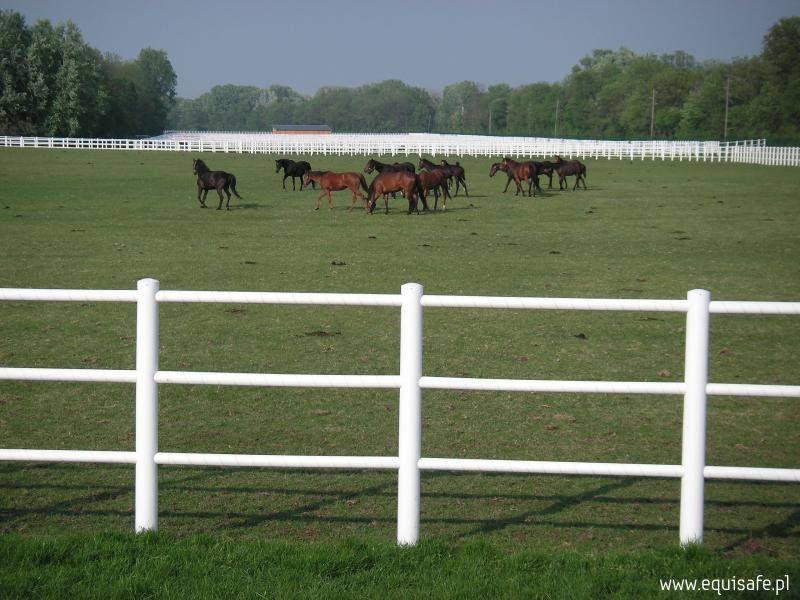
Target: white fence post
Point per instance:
(410, 421)
(146, 406)
(694, 417)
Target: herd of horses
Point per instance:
(415, 185)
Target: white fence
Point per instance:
(410, 381)
(749, 151)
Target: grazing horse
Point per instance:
(333, 182)
(521, 172)
(213, 180)
(456, 171)
(434, 179)
(374, 165)
(564, 168)
(395, 181)
(292, 169)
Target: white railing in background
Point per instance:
(410, 382)
(748, 151)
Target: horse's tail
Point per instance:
(233, 186)
(363, 183)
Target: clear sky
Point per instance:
(306, 44)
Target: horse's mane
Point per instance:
(200, 166)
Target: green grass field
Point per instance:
(103, 220)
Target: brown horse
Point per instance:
(395, 181)
(333, 182)
(521, 172)
(213, 180)
(564, 168)
(435, 179)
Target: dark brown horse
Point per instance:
(292, 169)
(213, 180)
(456, 171)
(333, 182)
(435, 180)
(374, 165)
(543, 168)
(521, 172)
(387, 182)
(565, 168)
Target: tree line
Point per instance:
(55, 84)
(52, 83)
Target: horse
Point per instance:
(213, 180)
(564, 168)
(545, 168)
(395, 181)
(456, 171)
(521, 172)
(333, 182)
(434, 179)
(292, 169)
(374, 165)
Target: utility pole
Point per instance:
(555, 126)
(727, 101)
(652, 113)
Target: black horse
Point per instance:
(374, 165)
(213, 180)
(293, 169)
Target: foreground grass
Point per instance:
(161, 566)
(642, 230)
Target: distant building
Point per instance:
(302, 129)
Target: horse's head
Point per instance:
(495, 168)
(198, 166)
(369, 168)
(558, 160)
(278, 165)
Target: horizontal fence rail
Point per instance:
(745, 151)
(409, 382)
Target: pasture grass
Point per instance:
(163, 566)
(102, 220)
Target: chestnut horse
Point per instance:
(521, 172)
(213, 180)
(387, 182)
(564, 168)
(333, 182)
(435, 179)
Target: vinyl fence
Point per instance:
(748, 151)
(410, 381)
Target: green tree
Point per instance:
(155, 81)
(14, 43)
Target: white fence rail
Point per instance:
(748, 151)
(410, 382)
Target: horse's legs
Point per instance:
(322, 193)
(219, 191)
(200, 197)
(330, 199)
(550, 180)
(285, 175)
(508, 182)
(203, 201)
(464, 183)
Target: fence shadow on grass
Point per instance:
(69, 504)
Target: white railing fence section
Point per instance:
(747, 151)
(410, 382)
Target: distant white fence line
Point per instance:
(748, 151)
(410, 382)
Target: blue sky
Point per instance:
(310, 44)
